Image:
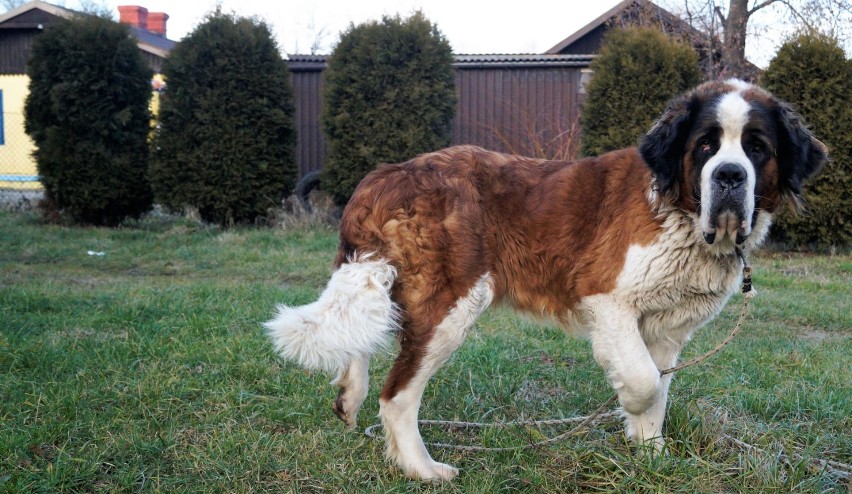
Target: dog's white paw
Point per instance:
(442, 472)
(433, 471)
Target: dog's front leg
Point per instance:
(619, 348)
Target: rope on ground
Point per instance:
(599, 413)
(836, 468)
(597, 416)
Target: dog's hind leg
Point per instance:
(424, 350)
(353, 384)
(353, 317)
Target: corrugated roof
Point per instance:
(522, 60)
(318, 62)
(308, 58)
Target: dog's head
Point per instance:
(729, 152)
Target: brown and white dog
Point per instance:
(634, 249)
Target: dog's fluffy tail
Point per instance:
(352, 319)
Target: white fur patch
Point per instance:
(665, 291)
(679, 278)
(352, 319)
(732, 113)
(739, 84)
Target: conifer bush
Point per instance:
(225, 143)
(812, 72)
(87, 113)
(389, 95)
(637, 72)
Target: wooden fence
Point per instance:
(526, 104)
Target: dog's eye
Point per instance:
(755, 147)
(704, 145)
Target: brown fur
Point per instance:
(548, 232)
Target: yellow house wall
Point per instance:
(16, 151)
(16, 154)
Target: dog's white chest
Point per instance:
(674, 284)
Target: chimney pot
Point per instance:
(157, 22)
(134, 15)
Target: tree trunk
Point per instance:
(733, 49)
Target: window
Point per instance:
(585, 77)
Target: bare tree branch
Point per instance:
(764, 4)
(720, 14)
(688, 12)
(798, 15)
(318, 41)
(11, 4)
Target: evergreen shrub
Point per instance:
(87, 113)
(637, 72)
(225, 143)
(389, 95)
(812, 72)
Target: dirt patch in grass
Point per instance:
(820, 336)
(75, 333)
(535, 392)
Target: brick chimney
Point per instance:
(134, 15)
(157, 22)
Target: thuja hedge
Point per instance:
(225, 143)
(87, 113)
(813, 73)
(389, 95)
(638, 71)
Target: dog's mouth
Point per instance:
(727, 206)
(727, 225)
(727, 217)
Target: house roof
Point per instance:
(588, 39)
(612, 13)
(570, 40)
(35, 4)
(17, 18)
(152, 42)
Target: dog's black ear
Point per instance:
(800, 155)
(664, 145)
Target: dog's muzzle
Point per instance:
(727, 213)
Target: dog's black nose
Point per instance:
(730, 175)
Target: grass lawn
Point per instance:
(145, 369)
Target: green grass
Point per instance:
(146, 370)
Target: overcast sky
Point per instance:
(527, 26)
(531, 26)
